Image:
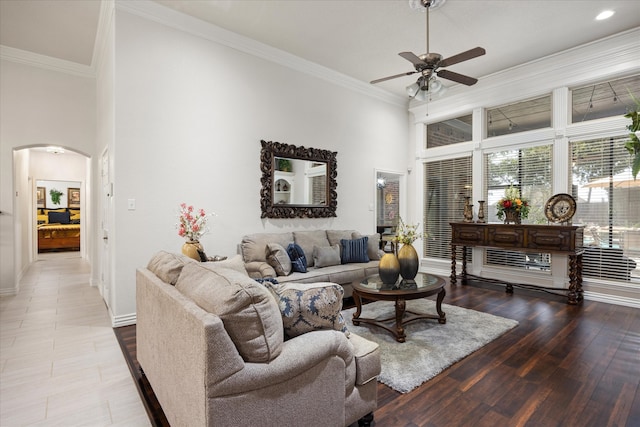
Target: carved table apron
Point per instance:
(560, 239)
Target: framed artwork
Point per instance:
(74, 198)
(41, 197)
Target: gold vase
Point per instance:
(409, 263)
(389, 269)
(191, 248)
(511, 216)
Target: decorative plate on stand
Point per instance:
(560, 208)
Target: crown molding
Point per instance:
(46, 62)
(105, 21)
(158, 13)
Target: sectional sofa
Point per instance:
(324, 250)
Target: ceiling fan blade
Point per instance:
(408, 73)
(464, 56)
(411, 57)
(459, 78)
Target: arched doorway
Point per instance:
(52, 184)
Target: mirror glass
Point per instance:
(297, 181)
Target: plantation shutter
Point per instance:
(446, 184)
(608, 205)
(529, 170)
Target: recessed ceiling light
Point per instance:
(605, 14)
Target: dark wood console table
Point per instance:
(560, 239)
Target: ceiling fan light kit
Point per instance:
(428, 65)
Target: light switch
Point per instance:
(131, 204)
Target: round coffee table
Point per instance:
(372, 288)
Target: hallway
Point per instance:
(60, 362)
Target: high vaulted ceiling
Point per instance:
(358, 38)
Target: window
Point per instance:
(449, 132)
(529, 170)
(447, 182)
(603, 99)
(608, 205)
(519, 117)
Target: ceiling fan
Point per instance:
(429, 64)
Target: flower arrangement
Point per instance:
(407, 233)
(192, 223)
(512, 202)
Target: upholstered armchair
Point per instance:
(213, 348)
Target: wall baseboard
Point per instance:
(611, 299)
(125, 320)
(9, 292)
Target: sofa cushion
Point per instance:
(234, 263)
(367, 355)
(373, 245)
(248, 310)
(334, 236)
(254, 246)
(298, 259)
(354, 250)
(326, 256)
(278, 258)
(308, 239)
(307, 307)
(168, 266)
(259, 270)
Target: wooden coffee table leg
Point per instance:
(358, 300)
(442, 319)
(400, 308)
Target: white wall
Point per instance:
(39, 107)
(189, 117)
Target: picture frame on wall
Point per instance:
(74, 198)
(41, 197)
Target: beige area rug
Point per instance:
(430, 347)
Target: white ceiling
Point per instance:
(358, 38)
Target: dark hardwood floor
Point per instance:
(561, 366)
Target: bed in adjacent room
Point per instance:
(58, 230)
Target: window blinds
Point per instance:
(529, 170)
(447, 182)
(608, 205)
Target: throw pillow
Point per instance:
(59, 217)
(307, 307)
(168, 266)
(373, 245)
(278, 258)
(354, 250)
(297, 257)
(327, 256)
(248, 311)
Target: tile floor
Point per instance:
(60, 362)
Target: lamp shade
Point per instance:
(413, 89)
